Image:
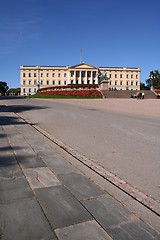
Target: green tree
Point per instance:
(15, 91)
(3, 87)
(154, 79)
(143, 87)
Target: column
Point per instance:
(80, 76)
(74, 82)
(69, 77)
(91, 77)
(96, 77)
(85, 77)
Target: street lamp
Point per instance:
(38, 85)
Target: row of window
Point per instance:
(121, 76)
(65, 82)
(121, 83)
(42, 75)
(83, 75)
(42, 82)
(29, 90)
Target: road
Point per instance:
(122, 135)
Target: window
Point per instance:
(131, 83)
(76, 81)
(65, 74)
(34, 90)
(24, 90)
(24, 75)
(94, 81)
(24, 82)
(110, 83)
(47, 82)
(29, 74)
(127, 83)
(34, 74)
(115, 82)
(110, 75)
(29, 90)
(35, 82)
(121, 83)
(115, 75)
(136, 83)
(131, 75)
(41, 82)
(53, 82)
(59, 75)
(29, 82)
(65, 82)
(59, 82)
(127, 76)
(41, 74)
(120, 75)
(136, 76)
(88, 82)
(52, 74)
(71, 81)
(47, 75)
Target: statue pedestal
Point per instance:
(104, 85)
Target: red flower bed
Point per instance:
(157, 92)
(74, 92)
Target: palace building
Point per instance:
(37, 77)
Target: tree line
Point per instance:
(4, 89)
(154, 79)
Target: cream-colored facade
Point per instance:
(36, 77)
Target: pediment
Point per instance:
(83, 66)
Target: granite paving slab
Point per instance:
(14, 189)
(119, 223)
(10, 171)
(7, 160)
(12, 183)
(60, 165)
(81, 186)
(61, 207)
(15, 194)
(41, 177)
(24, 219)
(30, 161)
(87, 230)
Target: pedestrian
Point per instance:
(142, 95)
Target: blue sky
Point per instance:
(51, 32)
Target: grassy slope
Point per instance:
(57, 96)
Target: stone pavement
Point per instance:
(43, 196)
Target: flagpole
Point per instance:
(80, 55)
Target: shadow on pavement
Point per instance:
(9, 120)
(20, 108)
(11, 97)
(8, 148)
(2, 135)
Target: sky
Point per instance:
(115, 33)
